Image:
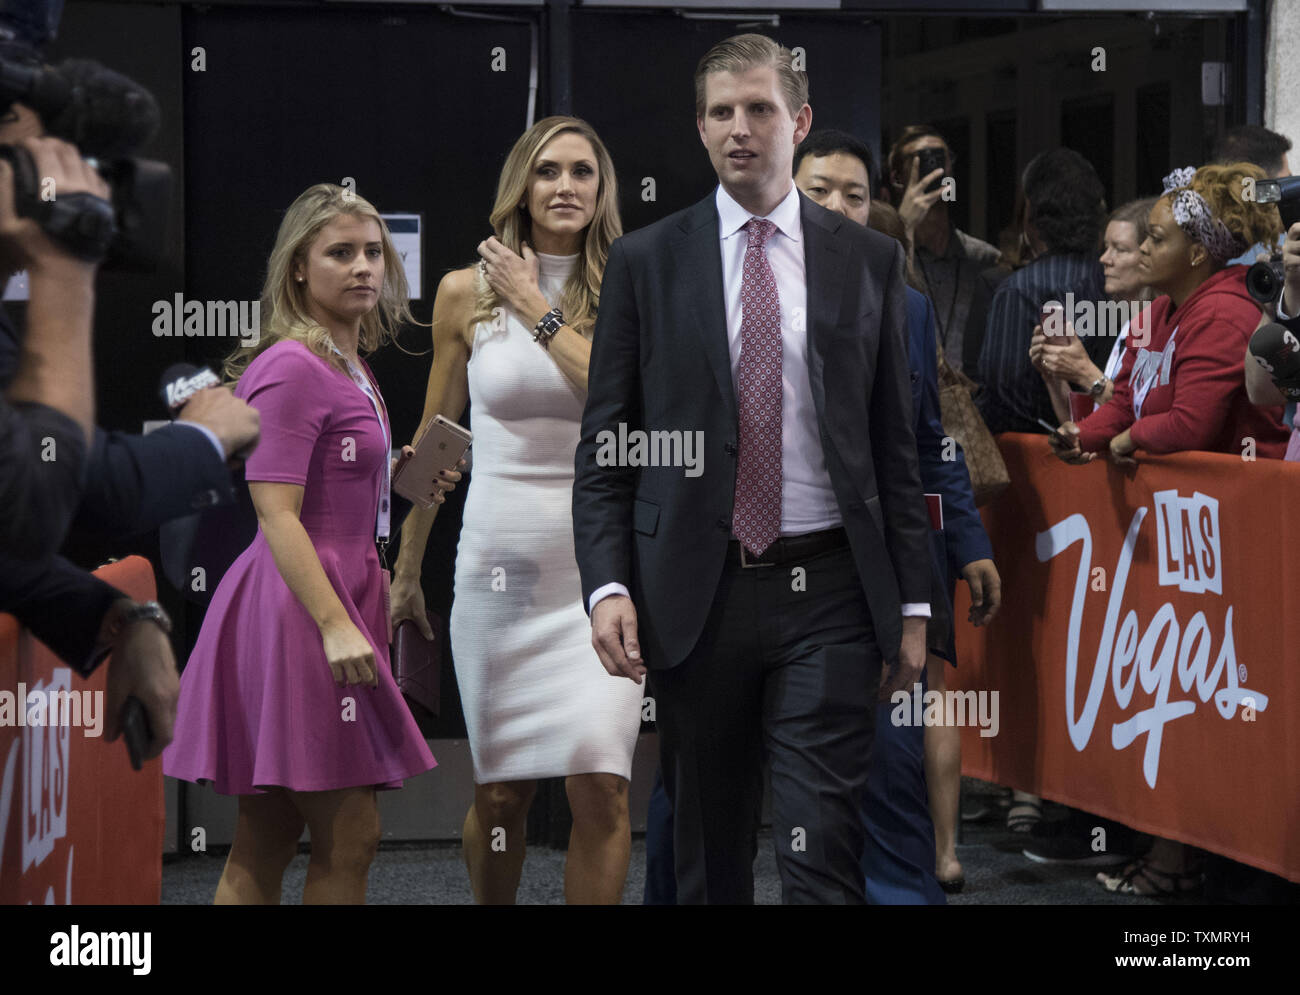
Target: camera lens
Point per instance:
(1264, 281)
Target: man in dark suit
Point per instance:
(914, 771)
(770, 579)
(130, 483)
(134, 483)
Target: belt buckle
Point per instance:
(749, 566)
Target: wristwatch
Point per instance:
(140, 611)
(1098, 387)
(551, 322)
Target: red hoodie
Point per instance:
(1195, 383)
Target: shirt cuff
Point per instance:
(212, 436)
(913, 608)
(605, 592)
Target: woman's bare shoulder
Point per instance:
(459, 283)
(454, 304)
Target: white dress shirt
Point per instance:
(807, 499)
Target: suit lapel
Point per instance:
(825, 261)
(699, 249)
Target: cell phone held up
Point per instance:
(927, 161)
(439, 447)
(1052, 318)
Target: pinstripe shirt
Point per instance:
(1014, 394)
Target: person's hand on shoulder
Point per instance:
(514, 278)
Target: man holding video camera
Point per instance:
(55, 461)
(47, 413)
(1276, 342)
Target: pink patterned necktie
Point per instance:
(757, 516)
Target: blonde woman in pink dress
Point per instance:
(288, 700)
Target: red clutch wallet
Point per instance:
(417, 666)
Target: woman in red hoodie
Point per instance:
(1182, 383)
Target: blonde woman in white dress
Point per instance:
(537, 701)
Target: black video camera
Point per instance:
(1264, 279)
(107, 116)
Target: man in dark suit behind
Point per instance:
(769, 577)
(130, 484)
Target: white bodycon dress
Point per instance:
(537, 701)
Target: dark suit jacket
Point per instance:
(963, 532)
(39, 494)
(660, 362)
(133, 484)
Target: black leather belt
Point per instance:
(788, 549)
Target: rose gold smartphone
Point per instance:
(439, 447)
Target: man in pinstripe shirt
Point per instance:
(1065, 212)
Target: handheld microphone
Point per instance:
(214, 537)
(1277, 349)
(181, 382)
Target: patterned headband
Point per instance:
(1196, 219)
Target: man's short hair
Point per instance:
(1253, 143)
(1067, 202)
(828, 141)
(740, 53)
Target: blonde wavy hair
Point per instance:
(1222, 186)
(580, 297)
(284, 307)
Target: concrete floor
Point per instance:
(996, 874)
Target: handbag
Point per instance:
(962, 421)
(417, 666)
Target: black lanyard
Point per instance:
(946, 325)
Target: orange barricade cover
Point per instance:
(1147, 654)
(77, 824)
